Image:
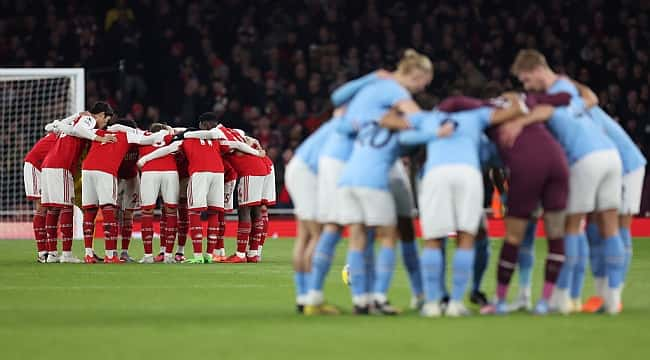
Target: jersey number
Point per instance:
(206, 142)
(371, 134)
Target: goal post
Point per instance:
(29, 99)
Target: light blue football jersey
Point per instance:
(462, 147)
(310, 149)
(573, 127)
(375, 148)
(630, 154)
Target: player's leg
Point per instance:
(32, 181)
(437, 221)
(608, 201)
(66, 221)
(51, 183)
(106, 187)
(625, 223)
(183, 220)
(326, 214)
(172, 227)
(169, 190)
(265, 229)
(256, 233)
(90, 213)
(40, 235)
(356, 262)
(162, 242)
(300, 277)
(525, 262)
(197, 201)
(220, 250)
(481, 261)
(583, 184)
(554, 222)
(249, 193)
(128, 202)
(149, 190)
(467, 199)
(630, 205)
(515, 229)
(401, 189)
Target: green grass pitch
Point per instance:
(246, 311)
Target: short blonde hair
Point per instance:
(527, 60)
(412, 60)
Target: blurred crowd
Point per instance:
(269, 66)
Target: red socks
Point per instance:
(89, 226)
(110, 229)
(51, 227)
(127, 231)
(243, 234)
(147, 232)
(196, 231)
(40, 235)
(256, 234)
(221, 229)
(170, 231)
(265, 220)
(213, 229)
(163, 230)
(66, 228)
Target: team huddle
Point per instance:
(562, 154)
(123, 169)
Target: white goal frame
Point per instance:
(77, 92)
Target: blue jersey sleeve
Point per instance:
(425, 131)
(564, 85)
(346, 92)
(484, 114)
(394, 93)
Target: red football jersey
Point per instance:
(37, 154)
(129, 168)
(244, 164)
(165, 163)
(202, 155)
(66, 151)
(108, 157)
(229, 172)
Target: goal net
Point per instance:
(29, 99)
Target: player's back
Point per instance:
(310, 149)
(572, 126)
(462, 147)
(107, 157)
(374, 153)
(39, 151)
(631, 156)
(163, 163)
(129, 168)
(65, 153)
(202, 155)
(534, 141)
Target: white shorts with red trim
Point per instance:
(205, 191)
(164, 183)
(128, 193)
(250, 190)
(57, 187)
(98, 188)
(229, 194)
(268, 191)
(32, 177)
